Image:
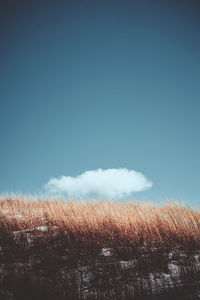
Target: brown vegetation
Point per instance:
(105, 223)
(98, 250)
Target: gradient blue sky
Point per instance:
(100, 84)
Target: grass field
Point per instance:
(98, 250)
(105, 223)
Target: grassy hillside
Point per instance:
(103, 250)
(104, 223)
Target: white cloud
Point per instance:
(110, 184)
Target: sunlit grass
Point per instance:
(105, 223)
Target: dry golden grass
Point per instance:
(105, 223)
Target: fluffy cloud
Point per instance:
(110, 184)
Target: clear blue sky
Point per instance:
(100, 84)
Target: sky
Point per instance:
(90, 86)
